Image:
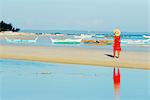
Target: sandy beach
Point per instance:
(83, 56)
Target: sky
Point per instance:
(102, 15)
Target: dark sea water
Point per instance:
(81, 32)
(134, 34)
(28, 80)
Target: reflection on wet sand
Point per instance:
(116, 79)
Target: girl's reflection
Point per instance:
(116, 79)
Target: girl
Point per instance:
(116, 45)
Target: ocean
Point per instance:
(130, 41)
(128, 38)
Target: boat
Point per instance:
(82, 36)
(21, 40)
(66, 41)
(135, 41)
(146, 36)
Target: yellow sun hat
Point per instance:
(117, 32)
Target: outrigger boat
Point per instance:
(136, 41)
(21, 40)
(66, 41)
(146, 36)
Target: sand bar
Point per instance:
(70, 55)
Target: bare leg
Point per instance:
(114, 53)
(118, 54)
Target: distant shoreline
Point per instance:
(83, 56)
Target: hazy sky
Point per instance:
(104, 15)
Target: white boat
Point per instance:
(66, 41)
(146, 36)
(135, 41)
(82, 36)
(21, 40)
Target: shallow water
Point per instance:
(27, 80)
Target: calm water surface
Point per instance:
(27, 80)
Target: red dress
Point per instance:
(117, 43)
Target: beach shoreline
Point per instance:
(82, 56)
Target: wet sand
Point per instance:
(83, 56)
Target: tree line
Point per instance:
(7, 27)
